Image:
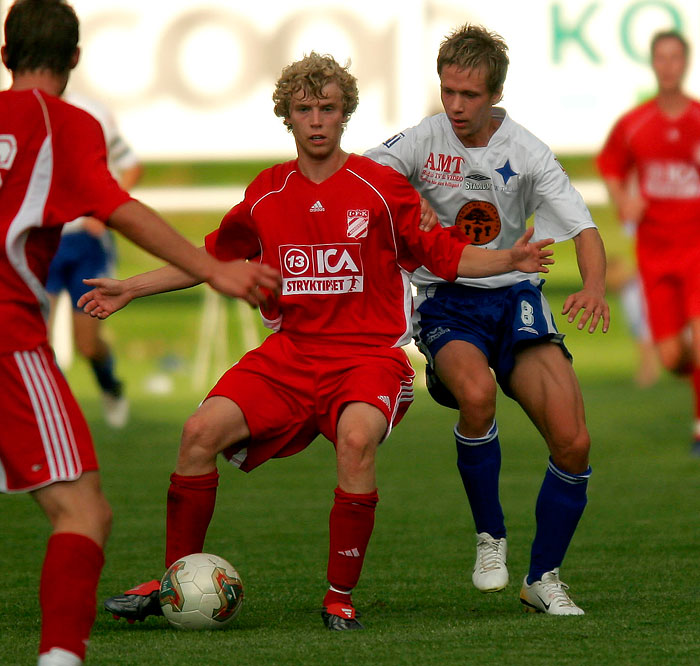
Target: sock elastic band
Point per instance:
(491, 434)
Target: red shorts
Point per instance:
(671, 282)
(44, 437)
(291, 392)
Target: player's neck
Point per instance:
(319, 169)
(481, 139)
(42, 79)
(672, 102)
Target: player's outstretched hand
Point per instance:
(593, 308)
(106, 297)
(531, 256)
(253, 282)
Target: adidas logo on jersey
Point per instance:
(386, 400)
(317, 208)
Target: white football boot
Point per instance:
(548, 596)
(115, 409)
(59, 657)
(490, 570)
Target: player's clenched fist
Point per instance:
(252, 282)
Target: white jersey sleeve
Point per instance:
(120, 155)
(490, 191)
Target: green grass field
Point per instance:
(633, 565)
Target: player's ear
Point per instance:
(3, 54)
(74, 58)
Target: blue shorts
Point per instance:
(80, 255)
(499, 322)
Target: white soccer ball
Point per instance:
(201, 591)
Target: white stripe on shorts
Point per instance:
(49, 410)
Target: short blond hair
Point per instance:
(312, 74)
(472, 46)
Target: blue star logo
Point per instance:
(506, 172)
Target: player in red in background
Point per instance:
(53, 168)
(344, 232)
(660, 142)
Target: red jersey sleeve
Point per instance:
(439, 250)
(236, 237)
(82, 182)
(615, 160)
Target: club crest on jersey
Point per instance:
(334, 268)
(358, 223)
(8, 151)
(480, 221)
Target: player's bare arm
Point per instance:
(109, 295)
(525, 255)
(238, 279)
(630, 207)
(590, 301)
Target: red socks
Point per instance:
(351, 524)
(191, 501)
(68, 592)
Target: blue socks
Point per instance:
(559, 508)
(479, 464)
(104, 373)
(560, 505)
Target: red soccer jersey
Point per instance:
(666, 154)
(345, 248)
(53, 168)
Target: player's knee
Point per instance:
(91, 517)
(196, 438)
(87, 348)
(572, 453)
(355, 449)
(675, 357)
(355, 441)
(194, 432)
(477, 402)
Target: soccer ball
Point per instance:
(201, 591)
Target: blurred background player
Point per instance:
(344, 232)
(484, 173)
(660, 141)
(53, 169)
(87, 249)
(624, 280)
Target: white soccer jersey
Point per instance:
(120, 155)
(490, 191)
